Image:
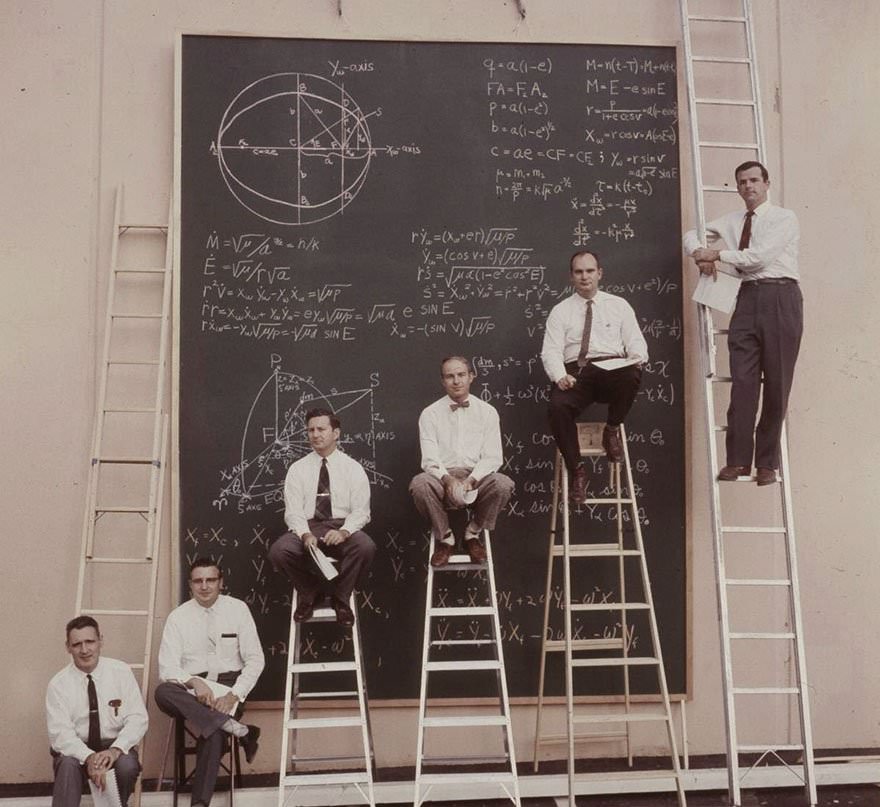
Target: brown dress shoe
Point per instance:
(476, 550)
(729, 473)
(305, 607)
(612, 445)
(441, 555)
(577, 493)
(344, 614)
(766, 476)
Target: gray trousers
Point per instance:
(70, 777)
(763, 342)
(493, 493)
(175, 700)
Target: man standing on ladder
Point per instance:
(582, 334)
(766, 326)
(460, 437)
(326, 501)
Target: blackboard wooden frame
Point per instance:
(513, 62)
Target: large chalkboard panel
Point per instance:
(353, 211)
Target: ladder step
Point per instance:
(322, 666)
(717, 189)
(105, 509)
(299, 759)
(121, 315)
(125, 460)
(113, 612)
(755, 530)
(447, 666)
(555, 645)
(465, 778)
(464, 720)
(481, 610)
(313, 779)
(131, 270)
(635, 661)
(131, 410)
(725, 101)
(610, 606)
(594, 737)
(594, 551)
(342, 693)
(762, 636)
(632, 717)
(119, 560)
(323, 722)
(758, 581)
(463, 642)
(760, 749)
(766, 690)
(725, 144)
(714, 18)
(721, 379)
(722, 59)
(459, 563)
(135, 226)
(133, 363)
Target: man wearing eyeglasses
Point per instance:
(209, 660)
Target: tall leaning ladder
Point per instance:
(598, 653)
(736, 32)
(119, 561)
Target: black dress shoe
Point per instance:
(441, 555)
(611, 443)
(765, 476)
(730, 473)
(578, 491)
(304, 609)
(250, 742)
(344, 615)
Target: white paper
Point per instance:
(109, 796)
(614, 364)
(469, 496)
(719, 293)
(325, 566)
(218, 690)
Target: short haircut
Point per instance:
(204, 562)
(80, 622)
(318, 412)
(751, 164)
(578, 254)
(462, 359)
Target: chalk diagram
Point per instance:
(274, 436)
(294, 148)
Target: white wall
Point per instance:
(87, 92)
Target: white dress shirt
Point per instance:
(222, 638)
(121, 709)
(614, 332)
(469, 437)
(349, 492)
(773, 243)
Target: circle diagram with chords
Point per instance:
(294, 148)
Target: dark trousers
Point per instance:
(617, 388)
(176, 701)
(355, 554)
(71, 776)
(763, 341)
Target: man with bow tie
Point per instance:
(96, 717)
(460, 437)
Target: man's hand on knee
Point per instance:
(335, 537)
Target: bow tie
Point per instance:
(462, 405)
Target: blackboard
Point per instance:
(351, 212)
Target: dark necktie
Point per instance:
(585, 339)
(323, 506)
(747, 231)
(94, 741)
(462, 405)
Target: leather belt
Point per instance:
(777, 281)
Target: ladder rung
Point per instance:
(481, 610)
(722, 59)
(459, 563)
(637, 661)
(718, 189)
(299, 759)
(759, 581)
(126, 460)
(118, 560)
(556, 739)
(322, 666)
(725, 144)
(131, 410)
(721, 331)
(751, 635)
(135, 226)
(113, 612)
(464, 720)
(632, 717)
(555, 645)
(133, 363)
(714, 18)
(766, 690)
(135, 316)
(760, 749)
(323, 722)
(446, 666)
(103, 509)
(342, 693)
(594, 551)
(136, 666)
(610, 606)
(313, 779)
(463, 642)
(755, 530)
(465, 778)
(724, 101)
(131, 270)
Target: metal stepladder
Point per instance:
(122, 522)
(713, 155)
(481, 652)
(359, 780)
(609, 652)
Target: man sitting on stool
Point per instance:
(211, 637)
(460, 436)
(95, 715)
(584, 328)
(326, 502)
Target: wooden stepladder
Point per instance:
(478, 653)
(613, 652)
(118, 568)
(720, 50)
(358, 782)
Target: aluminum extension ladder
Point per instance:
(122, 521)
(359, 781)
(735, 32)
(608, 652)
(441, 615)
